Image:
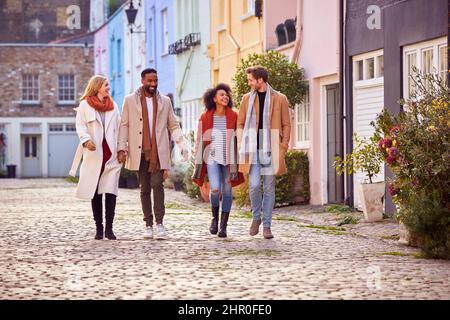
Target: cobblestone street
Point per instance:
(48, 252)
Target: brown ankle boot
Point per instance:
(267, 233)
(254, 228)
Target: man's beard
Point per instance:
(149, 90)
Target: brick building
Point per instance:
(30, 21)
(40, 84)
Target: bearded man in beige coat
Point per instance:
(263, 132)
(144, 144)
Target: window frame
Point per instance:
(165, 40)
(68, 102)
(365, 57)
(303, 109)
(418, 49)
(26, 101)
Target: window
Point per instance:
(31, 147)
(302, 121)
(370, 68)
(443, 70)
(66, 88)
(359, 70)
(428, 57)
(71, 127)
(150, 39)
(165, 30)
(119, 58)
(250, 6)
(380, 66)
(411, 62)
(427, 64)
(56, 128)
(60, 127)
(30, 87)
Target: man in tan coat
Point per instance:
(263, 132)
(144, 143)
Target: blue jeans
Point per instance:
(264, 201)
(219, 182)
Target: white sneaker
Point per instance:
(148, 234)
(160, 232)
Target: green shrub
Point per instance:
(415, 145)
(190, 188)
(284, 76)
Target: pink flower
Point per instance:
(393, 190)
(390, 160)
(393, 152)
(394, 131)
(387, 142)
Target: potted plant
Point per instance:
(365, 158)
(128, 179)
(176, 176)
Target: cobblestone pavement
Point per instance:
(48, 252)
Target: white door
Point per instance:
(62, 144)
(368, 102)
(31, 156)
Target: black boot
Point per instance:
(99, 232)
(109, 215)
(223, 224)
(97, 211)
(215, 220)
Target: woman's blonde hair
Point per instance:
(93, 86)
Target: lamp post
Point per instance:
(131, 13)
(86, 52)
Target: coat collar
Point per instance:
(209, 119)
(272, 93)
(138, 94)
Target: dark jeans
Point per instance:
(151, 181)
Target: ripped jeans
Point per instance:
(219, 182)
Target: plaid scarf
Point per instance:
(250, 132)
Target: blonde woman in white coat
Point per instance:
(97, 123)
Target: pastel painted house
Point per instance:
(160, 34)
(317, 122)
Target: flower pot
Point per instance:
(371, 195)
(132, 182)
(407, 237)
(204, 191)
(178, 185)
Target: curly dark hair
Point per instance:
(208, 96)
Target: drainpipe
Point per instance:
(448, 47)
(347, 111)
(299, 32)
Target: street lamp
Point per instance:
(86, 51)
(131, 13)
(131, 17)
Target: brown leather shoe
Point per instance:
(254, 228)
(267, 233)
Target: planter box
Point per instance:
(298, 197)
(406, 237)
(131, 182)
(371, 195)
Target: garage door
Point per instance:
(62, 144)
(368, 102)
